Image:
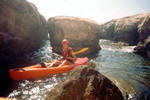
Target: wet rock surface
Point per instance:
(22, 30)
(133, 30)
(85, 83)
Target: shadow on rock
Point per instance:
(85, 83)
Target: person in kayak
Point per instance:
(67, 55)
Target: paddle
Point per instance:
(80, 51)
(75, 53)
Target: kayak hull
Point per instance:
(37, 71)
(5, 98)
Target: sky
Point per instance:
(98, 10)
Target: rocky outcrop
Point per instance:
(133, 30)
(144, 29)
(85, 83)
(79, 31)
(127, 29)
(22, 28)
(143, 46)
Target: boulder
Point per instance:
(80, 32)
(129, 29)
(143, 46)
(144, 29)
(140, 49)
(133, 30)
(22, 30)
(21, 26)
(85, 83)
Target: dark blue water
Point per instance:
(129, 71)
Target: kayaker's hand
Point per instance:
(74, 59)
(69, 58)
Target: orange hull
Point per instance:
(5, 98)
(38, 71)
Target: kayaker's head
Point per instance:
(65, 43)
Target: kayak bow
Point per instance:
(37, 71)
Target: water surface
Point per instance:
(129, 71)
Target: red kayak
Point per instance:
(37, 71)
(5, 98)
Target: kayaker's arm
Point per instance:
(73, 58)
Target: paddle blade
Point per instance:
(80, 51)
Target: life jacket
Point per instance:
(67, 53)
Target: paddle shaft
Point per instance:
(80, 51)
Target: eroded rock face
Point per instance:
(128, 29)
(80, 32)
(22, 28)
(143, 46)
(84, 83)
(133, 30)
(144, 29)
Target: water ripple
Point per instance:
(130, 72)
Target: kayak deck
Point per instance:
(37, 71)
